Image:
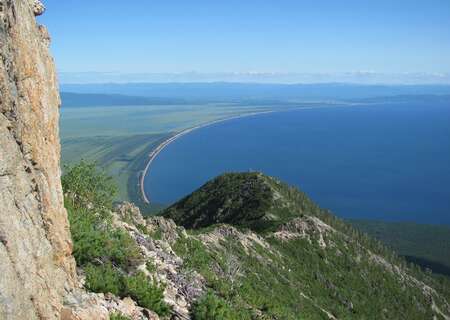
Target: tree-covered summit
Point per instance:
(248, 199)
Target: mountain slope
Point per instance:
(422, 244)
(254, 248)
(269, 252)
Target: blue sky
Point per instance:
(317, 36)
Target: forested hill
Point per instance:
(266, 247)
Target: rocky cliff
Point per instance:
(36, 265)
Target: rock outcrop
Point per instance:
(36, 265)
(155, 237)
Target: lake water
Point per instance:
(389, 162)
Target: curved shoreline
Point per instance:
(155, 152)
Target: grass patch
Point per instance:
(118, 316)
(103, 278)
(146, 294)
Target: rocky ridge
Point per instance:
(227, 249)
(154, 237)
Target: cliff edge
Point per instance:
(36, 265)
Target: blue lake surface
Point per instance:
(389, 162)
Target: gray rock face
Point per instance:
(36, 265)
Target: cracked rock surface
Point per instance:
(36, 265)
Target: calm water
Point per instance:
(387, 162)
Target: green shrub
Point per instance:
(89, 195)
(150, 266)
(118, 316)
(142, 228)
(122, 249)
(107, 279)
(88, 241)
(156, 234)
(211, 307)
(94, 240)
(103, 279)
(105, 253)
(87, 187)
(146, 294)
